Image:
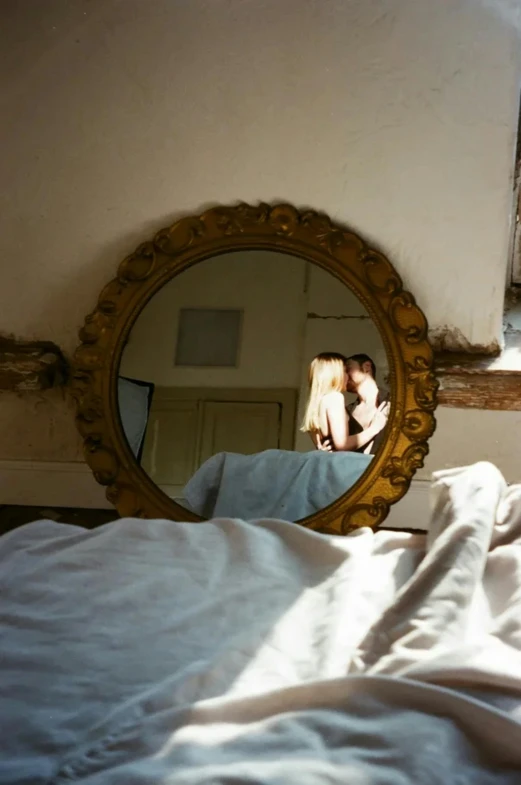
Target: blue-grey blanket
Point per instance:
(272, 484)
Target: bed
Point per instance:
(233, 652)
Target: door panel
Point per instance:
(239, 427)
(170, 449)
(187, 426)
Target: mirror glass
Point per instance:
(214, 387)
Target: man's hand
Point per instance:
(380, 421)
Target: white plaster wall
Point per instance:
(339, 322)
(269, 287)
(464, 436)
(397, 117)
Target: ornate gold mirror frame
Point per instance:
(306, 234)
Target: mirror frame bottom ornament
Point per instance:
(314, 238)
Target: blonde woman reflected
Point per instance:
(326, 418)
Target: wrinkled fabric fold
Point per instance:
(160, 652)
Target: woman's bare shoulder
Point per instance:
(334, 399)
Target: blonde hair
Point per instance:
(326, 374)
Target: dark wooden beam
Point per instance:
(487, 390)
(481, 381)
(466, 380)
(30, 366)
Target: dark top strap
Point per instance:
(355, 427)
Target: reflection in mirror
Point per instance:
(253, 385)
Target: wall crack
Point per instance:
(339, 317)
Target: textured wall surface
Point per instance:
(397, 117)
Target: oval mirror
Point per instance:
(256, 363)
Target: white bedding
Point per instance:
(228, 652)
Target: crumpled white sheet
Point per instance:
(159, 652)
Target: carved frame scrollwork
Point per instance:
(306, 234)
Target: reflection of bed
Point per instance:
(272, 484)
(160, 652)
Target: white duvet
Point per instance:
(232, 652)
